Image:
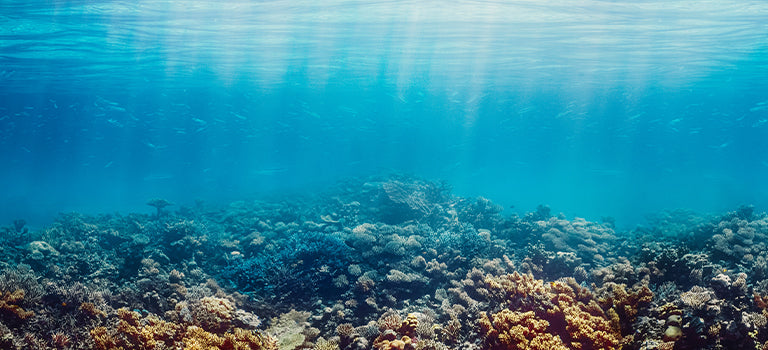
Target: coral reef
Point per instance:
(383, 263)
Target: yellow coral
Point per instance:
(214, 314)
(91, 310)
(622, 305)
(404, 343)
(323, 344)
(103, 339)
(408, 326)
(560, 314)
(135, 332)
(9, 304)
(514, 285)
(519, 330)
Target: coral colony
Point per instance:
(388, 263)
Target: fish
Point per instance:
(158, 177)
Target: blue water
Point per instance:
(595, 108)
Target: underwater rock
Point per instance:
(673, 333)
(674, 320)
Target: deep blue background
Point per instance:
(608, 108)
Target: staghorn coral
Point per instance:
(322, 344)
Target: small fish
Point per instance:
(115, 123)
(158, 177)
(638, 115)
(108, 165)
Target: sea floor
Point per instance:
(383, 263)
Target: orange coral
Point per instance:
(760, 301)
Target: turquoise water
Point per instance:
(595, 108)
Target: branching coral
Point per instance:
(621, 305)
(397, 333)
(518, 330)
(9, 304)
(543, 311)
(136, 332)
(322, 344)
(214, 314)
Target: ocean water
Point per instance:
(595, 108)
(383, 175)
